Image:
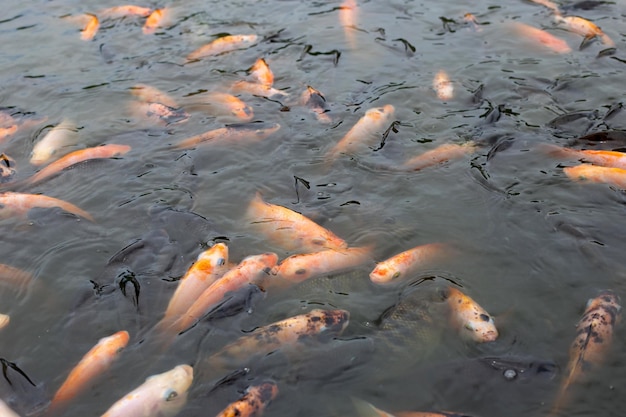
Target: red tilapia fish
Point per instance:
(158, 113)
(209, 267)
(55, 142)
(157, 19)
(232, 133)
(315, 101)
(256, 89)
(612, 159)
(220, 104)
(469, 318)
(252, 270)
(262, 73)
(297, 268)
(594, 333)
(76, 157)
(222, 45)
(285, 335)
(14, 277)
(149, 94)
(290, 229)
(406, 263)
(440, 154)
(253, 402)
(162, 395)
(18, 204)
(92, 365)
(541, 37)
(583, 27)
(443, 86)
(91, 27)
(593, 173)
(374, 122)
(125, 10)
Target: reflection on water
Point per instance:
(529, 244)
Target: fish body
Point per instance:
(158, 112)
(593, 173)
(5, 410)
(253, 402)
(6, 131)
(233, 133)
(155, 20)
(549, 4)
(440, 154)
(541, 37)
(262, 73)
(374, 121)
(93, 364)
(221, 104)
(149, 94)
(210, 266)
(256, 89)
(124, 10)
(222, 45)
(161, 395)
(290, 229)
(91, 27)
(76, 157)
(12, 204)
(14, 277)
(297, 268)
(443, 86)
(61, 136)
(603, 158)
(405, 263)
(251, 270)
(315, 101)
(583, 27)
(469, 318)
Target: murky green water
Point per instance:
(531, 245)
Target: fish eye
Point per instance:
(484, 317)
(170, 395)
(220, 262)
(396, 275)
(301, 271)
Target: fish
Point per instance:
(232, 133)
(156, 19)
(220, 104)
(210, 266)
(285, 335)
(297, 268)
(583, 27)
(612, 159)
(253, 402)
(14, 277)
(593, 173)
(290, 229)
(406, 263)
(149, 94)
(18, 204)
(6, 131)
(315, 101)
(161, 395)
(58, 139)
(594, 333)
(251, 270)
(5, 319)
(222, 45)
(5, 410)
(7, 168)
(91, 366)
(549, 4)
(262, 73)
(124, 10)
(365, 409)
(256, 89)
(440, 154)
(348, 19)
(470, 319)
(158, 113)
(373, 122)
(541, 37)
(91, 27)
(98, 152)
(443, 86)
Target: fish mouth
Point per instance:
(489, 336)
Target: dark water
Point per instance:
(532, 246)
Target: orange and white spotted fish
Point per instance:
(235, 133)
(222, 45)
(253, 402)
(402, 265)
(19, 204)
(470, 319)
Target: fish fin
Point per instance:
(586, 41)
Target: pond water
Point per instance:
(530, 245)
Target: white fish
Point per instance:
(63, 135)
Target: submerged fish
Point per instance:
(315, 101)
(365, 409)
(541, 37)
(348, 19)
(156, 19)
(238, 132)
(406, 263)
(162, 395)
(374, 121)
(158, 113)
(253, 402)
(612, 159)
(262, 73)
(221, 45)
(469, 318)
(220, 104)
(91, 27)
(14, 277)
(440, 154)
(92, 365)
(149, 94)
(256, 89)
(291, 230)
(443, 86)
(124, 10)
(593, 173)
(594, 334)
(5, 410)
(60, 137)
(18, 204)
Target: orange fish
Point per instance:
(149, 94)
(588, 172)
(612, 159)
(549, 4)
(125, 10)
(14, 277)
(256, 89)
(297, 268)
(233, 133)
(316, 101)
(210, 266)
(7, 168)
(594, 334)
(91, 28)
(12, 204)
(404, 264)
(220, 104)
(156, 19)
(261, 72)
(7, 131)
(290, 229)
(252, 270)
(221, 45)
(253, 402)
(470, 319)
(92, 365)
(440, 154)
(348, 19)
(76, 157)
(374, 121)
(542, 37)
(583, 27)
(157, 112)
(443, 86)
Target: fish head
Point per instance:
(380, 114)
(295, 268)
(384, 273)
(328, 322)
(606, 298)
(481, 328)
(170, 389)
(215, 256)
(473, 322)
